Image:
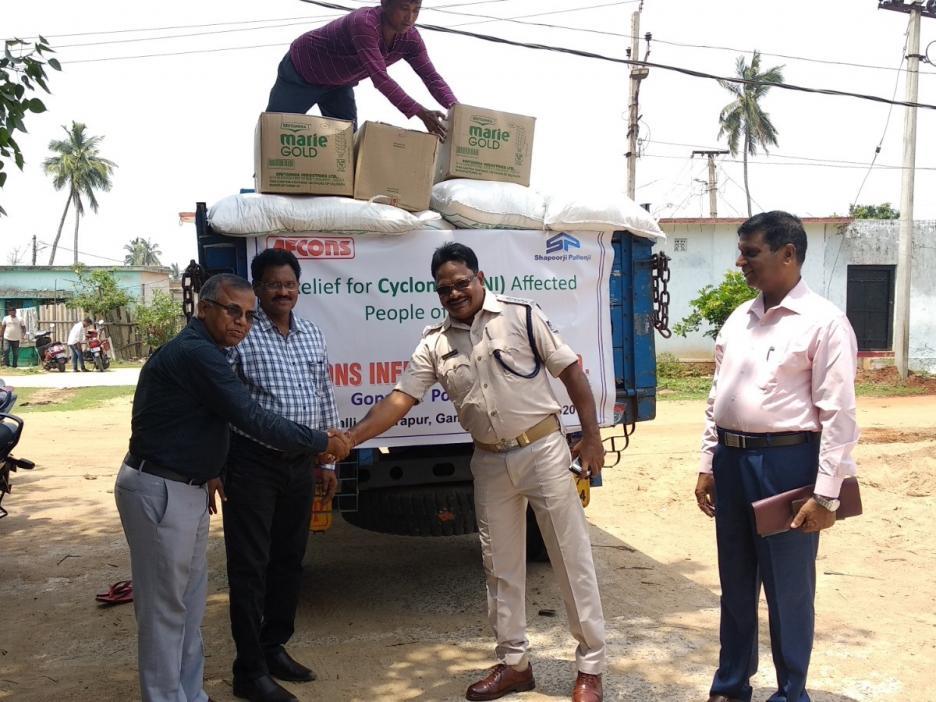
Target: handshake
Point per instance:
(340, 444)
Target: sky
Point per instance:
(181, 127)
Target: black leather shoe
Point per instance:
(262, 689)
(282, 666)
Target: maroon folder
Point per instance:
(773, 515)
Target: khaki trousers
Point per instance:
(503, 485)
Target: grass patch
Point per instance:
(685, 388)
(67, 399)
(895, 390)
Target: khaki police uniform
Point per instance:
(497, 406)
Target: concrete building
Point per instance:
(30, 286)
(851, 262)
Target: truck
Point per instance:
(423, 487)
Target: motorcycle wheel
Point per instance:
(61, 365)
(99, 364)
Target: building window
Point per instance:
(680, 244)
(869, 306)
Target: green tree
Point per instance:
(142, 252)
(175, 272)
(160, 320)
(743, 120)
(77, 165)
(22, 71)
(97, 292)
(714, 305)
(882, 211)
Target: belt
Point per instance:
(145, 466)
(534, 433)
(754, 441)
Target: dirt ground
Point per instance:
(388, 618)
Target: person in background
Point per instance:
(14, 331)
(76, 338)
(781, 415)
(186, 399)
(323, 65)
(284, 363)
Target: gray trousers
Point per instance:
(504, 483)
(166, 525)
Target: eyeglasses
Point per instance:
(233, 311)
(290, 285)
(460, 285)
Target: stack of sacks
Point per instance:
(471, 204)
(254, 214)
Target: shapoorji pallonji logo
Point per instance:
(317, 247)
(485, 136)
(298, 145)
(562, 242)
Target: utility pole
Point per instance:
(916, 10)
(34, 250)
(712, 179)
(637, 74)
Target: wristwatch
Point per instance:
(830, 503)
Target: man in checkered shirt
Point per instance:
(284, 363)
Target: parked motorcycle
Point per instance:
(96, 353)
(11, 428)
(53, 355)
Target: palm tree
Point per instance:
(174, 271)
(77, 164)
(142, 252)
(743, 118)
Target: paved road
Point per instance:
(69, 379)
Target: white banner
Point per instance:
(373, 295)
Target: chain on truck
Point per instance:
(426, 490)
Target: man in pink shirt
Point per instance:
(323, 66)
(781, 415)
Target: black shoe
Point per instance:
(262, 689)
(282, 666)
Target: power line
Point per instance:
(890, 110)
(134, 40)
(862, 164)
(802, 163)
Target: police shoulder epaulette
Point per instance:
(514, 300)
(428, 329)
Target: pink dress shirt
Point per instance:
(352, 48)
(791, 368)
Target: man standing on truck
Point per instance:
(781, 415)
(323, 66)
(502, 394)
(284, 363)
(186, 398)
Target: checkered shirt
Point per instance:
(287, 375)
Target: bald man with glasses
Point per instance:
(186, 398)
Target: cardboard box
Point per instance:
(485, 144)
(303, 155)
(397, 165)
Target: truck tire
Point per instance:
(423, 510)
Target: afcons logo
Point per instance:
(562, 242)
(306, 247)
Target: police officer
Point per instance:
(491, 355)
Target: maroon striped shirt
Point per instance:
(349, 49)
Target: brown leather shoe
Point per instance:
(587, 688)
(501, 680)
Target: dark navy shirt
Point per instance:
(187, 396)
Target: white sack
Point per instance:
(600, 213)
(476, 204)
(255, 213)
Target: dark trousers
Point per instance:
(10, 353)
(266, 528)
(291, 93)
(784, 563)
(77, 357)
